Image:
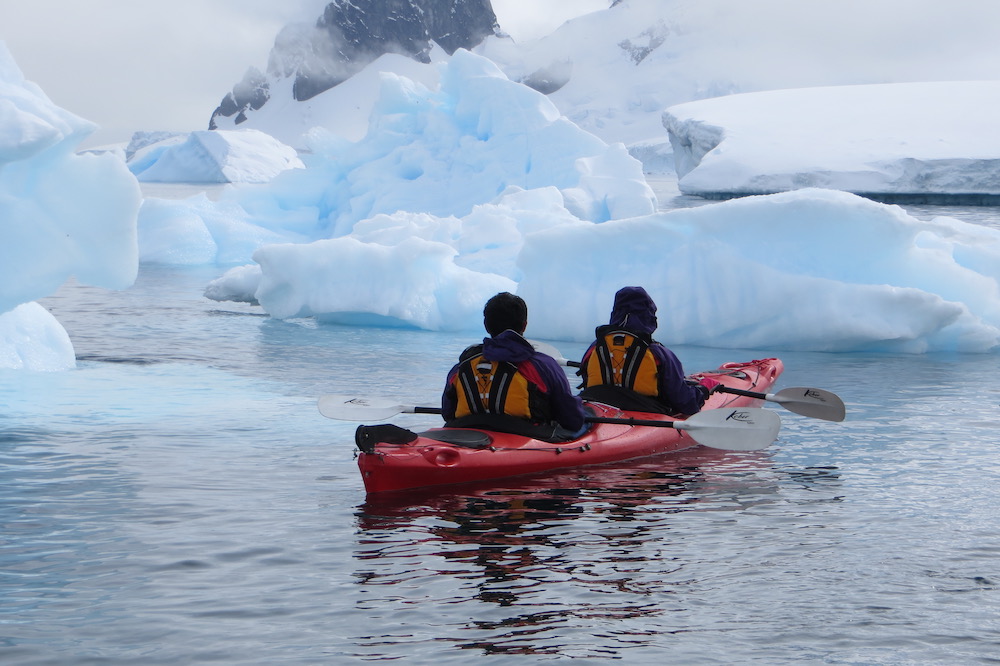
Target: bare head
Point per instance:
(505, 311)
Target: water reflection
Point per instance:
(158, 512)
(557, 556)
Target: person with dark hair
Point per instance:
(504, 384)
(627, 368)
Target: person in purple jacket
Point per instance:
(505, 384)
(627, 368)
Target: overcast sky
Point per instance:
(132, 65)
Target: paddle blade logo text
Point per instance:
(742, 416)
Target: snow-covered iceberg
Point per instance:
(343, 109)
(815, 270)
(61, 215)
(406, 269)
(807, 270)
(220, 156)
(902, 140)
(613, 72)
(464, 150)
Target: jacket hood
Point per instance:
(507, 346)
(634, 310)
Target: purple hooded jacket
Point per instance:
(635, 311)
(567, 409)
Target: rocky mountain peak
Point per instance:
(352, 33)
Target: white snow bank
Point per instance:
(61, 215)
(904, 138)
(240, 156)
(810, 270)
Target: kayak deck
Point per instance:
(442, 456)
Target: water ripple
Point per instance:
(171, 503)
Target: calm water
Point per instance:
(178, 499)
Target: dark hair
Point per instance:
(503, 311)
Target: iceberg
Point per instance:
(62, 215)
(414, 283)
(344, 109)
(218, 156)
(476, 145)
(32, 339)
(900, 141)
(810, 270)
(421, 221)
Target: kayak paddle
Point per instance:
(813, 402)
(729, 428)
(349, 408)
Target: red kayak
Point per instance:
(393, 458)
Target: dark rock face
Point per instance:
(548, 80)
(352, 33)
(250, 93)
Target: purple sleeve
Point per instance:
(449, 400)
(682, 396)
(567, 408)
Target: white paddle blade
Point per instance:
(733, 428)
(813, 402)
(549, 350)
(353, 408)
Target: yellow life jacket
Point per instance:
(621, 358)
(495, 387)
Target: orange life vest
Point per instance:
(621, 358)
(496, 387)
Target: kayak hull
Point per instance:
(479, 455)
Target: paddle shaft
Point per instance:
(632, 422)
(589, 419)
(722, 388)
(815, 403)
(731, 429)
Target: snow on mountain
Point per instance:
(310, 59)
(614, 71)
